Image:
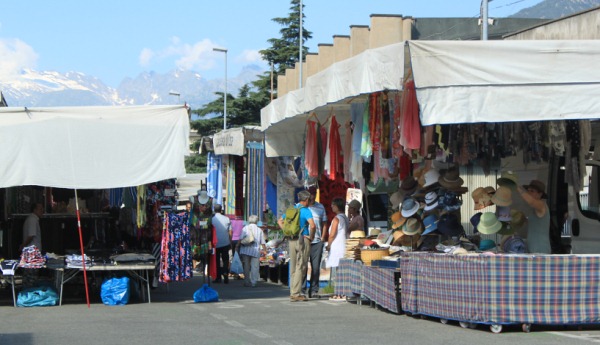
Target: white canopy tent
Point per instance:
(500, 81)
(456, 82)
(284, 119)
(92, 147)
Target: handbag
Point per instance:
(249, 238)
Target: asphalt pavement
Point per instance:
(245, 315)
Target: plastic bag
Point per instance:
(206, 294)
(37, 297)
(236, 264)
(115, 291)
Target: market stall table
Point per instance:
(138, 271)
(503, 289)
(381, 286)
(349, 278)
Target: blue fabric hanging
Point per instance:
(214, 179)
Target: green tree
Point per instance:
(245, 108)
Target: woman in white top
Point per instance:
(250, 253)
(336, 244)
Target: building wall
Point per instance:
(582, 26)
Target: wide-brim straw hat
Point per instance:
(408, 186)
(481, 198)
(508, 179)
(431, 201)
(357, 234)
(396, 200)
(397, 220)
(451, 179)
(412, 227)
(401, 239)
(409, 207)
(517, 220)
(489, 224)
(503, 196)
(430, 224)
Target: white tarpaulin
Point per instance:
(502, 81)
(284, 119)
(92, 147)
(232, 141)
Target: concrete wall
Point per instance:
(385, 30)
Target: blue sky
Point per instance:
(115, 39)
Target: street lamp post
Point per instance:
(223, 50)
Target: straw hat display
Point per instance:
(357, 234)
(502, 197)
(449, 225)
(403, 240)
(431, 178)
(481, 198)
(352, 249)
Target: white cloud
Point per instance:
(15, 55)
(250, 56)
(197, 56)
(145, 56)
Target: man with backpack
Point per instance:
(298, 226)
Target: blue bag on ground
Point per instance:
(236, 264)
(115, 291)
(206, 294)
(37, 297)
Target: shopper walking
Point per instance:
(251, 252)
(222, 226)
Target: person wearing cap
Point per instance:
(299, 247)
(316, 247)
(538, 234)
(357, 222)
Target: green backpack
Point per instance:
(291, 222)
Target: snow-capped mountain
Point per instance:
(47, 89)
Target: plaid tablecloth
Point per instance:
(349, 278)
(379, 287)
(503, 289)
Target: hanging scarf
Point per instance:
(311, 149)
(231, 190)
(255, 186)
(366, 147)
(411, 128)
(335, 149)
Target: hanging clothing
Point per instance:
(366, 148)
(176, 253)
(396, 133)
(347, 151)
(335, 149)
(311, 153)
(255, 186)
(231, 186)
(411, 126)
(214, 177)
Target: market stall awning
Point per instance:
(92, 147)
(502, 81)
(232, 141)
(283, 120)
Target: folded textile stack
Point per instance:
(76, 261)
(31, 257)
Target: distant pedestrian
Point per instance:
(251, 253)
(222, 226)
